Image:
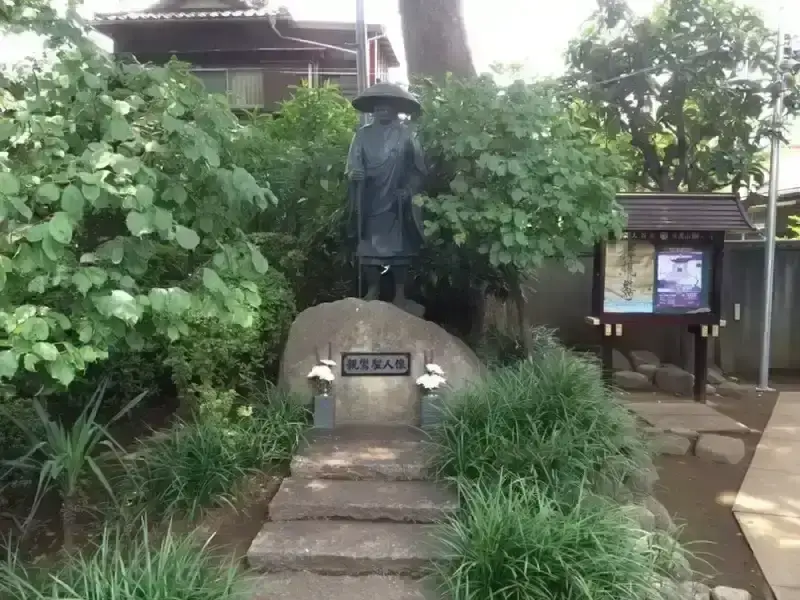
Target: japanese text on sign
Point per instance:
(376, 363)
(668, 236)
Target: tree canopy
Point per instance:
(689, 86)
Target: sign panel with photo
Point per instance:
(647, 275)
(680, 280)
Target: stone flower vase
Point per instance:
(324, 409)
(430, 408)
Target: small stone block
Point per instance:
(671, 444)
(390, 453)
(722, 592)
(693, 590)
(308, 586)
(631, 381)
(344, 548)
(405, 501)
(663, 520)
(720, 449)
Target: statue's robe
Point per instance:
(383, 218)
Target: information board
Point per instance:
(657, 274)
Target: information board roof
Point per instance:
(684, 211)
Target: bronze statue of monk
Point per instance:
(386, 168)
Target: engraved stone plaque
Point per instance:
(384, 364)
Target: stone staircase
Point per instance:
(354, 521)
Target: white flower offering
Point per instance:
(322, 372)
(433, 378)
(434, 369)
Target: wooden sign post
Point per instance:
(665, 269)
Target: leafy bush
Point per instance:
(110, 165)
(13, 440)
(516, 180)
(199, 465)
(223, 356)
(302, 154)
(514, 541)
(128, 372)
(549, 418)
(176, 567)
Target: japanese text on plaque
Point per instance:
(376, 363)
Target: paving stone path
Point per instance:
(355, 520)
(768, 503)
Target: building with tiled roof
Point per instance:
(252, 53)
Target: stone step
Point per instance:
(344, 548)
(408, 501)
(309, 586)
(363, 452)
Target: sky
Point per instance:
(504, 31)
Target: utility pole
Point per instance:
(362, 60)
(772, 205)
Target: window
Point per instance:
(348, 84)
(246, 88)
(243, 87)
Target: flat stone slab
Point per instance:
(775, 542)
(344, 548)
(309, 586)
(363, 452)
(686, 415)
(407, 501)
(769, 492)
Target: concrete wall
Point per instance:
(560, 299)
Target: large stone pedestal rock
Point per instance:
(354, 325)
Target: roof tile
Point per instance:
(686, 211)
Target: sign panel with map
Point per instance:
(644, 276)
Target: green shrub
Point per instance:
(222, 357)
(13, 440)
(302, 155)
(549, 418)
(514, 542)
(129, 372)
(65, 455)
(176, 567)
(79, 285)
(200, 464)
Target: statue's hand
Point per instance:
(357, 175)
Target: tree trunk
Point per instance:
(518, 297)
(435, 38)
(69, 511)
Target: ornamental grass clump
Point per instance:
(514, 541)
(549, 418)
(539, 452)
(121, 568)
(200, 464)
